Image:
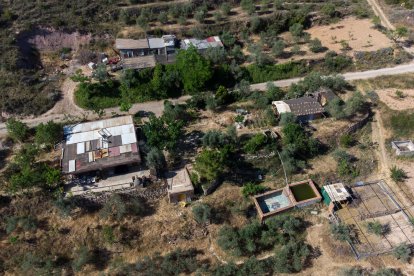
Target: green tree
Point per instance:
(278, 48)
(355, 104)
(195, 70)
(100, 73)
(287, 118)
(17, 130)
(202, 213)
(48, 134)
(335, 108)
(296, 30)
(292, 257)
(329, 10)
(211, 164)
(52, 176)
(214, 139)
(156, 159)
(255, 143)
(162, 132)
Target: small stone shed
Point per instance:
(403, 148)
(180, 188)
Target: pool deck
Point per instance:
(289, 194)
(263, 215)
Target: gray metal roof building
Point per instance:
(99, 145)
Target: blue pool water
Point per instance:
(272, 202)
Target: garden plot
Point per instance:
(377, 202)
(359, 34)
(402, 100)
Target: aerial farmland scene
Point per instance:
(207, 137)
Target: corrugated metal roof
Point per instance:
(113, 127)
(83, 127)
(281, 107)
(337, 192)
(122, 43)
(156, 43)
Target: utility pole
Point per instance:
(283, 166)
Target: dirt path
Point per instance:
(376, 7)
(385, 164)
(155, 4)
(380, 13)
(397, 70)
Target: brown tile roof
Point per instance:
(305, 106)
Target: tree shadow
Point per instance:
(100, 258)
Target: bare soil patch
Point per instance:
(358, 33)
(390, 98)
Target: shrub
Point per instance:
(202, 213)
(176, 262)
(278, 48)
(292, 258)
(402, 123)
(314, 81)
(287, 118)
(250, 189)
(214, 139)
(225, 8)
(254, 237)
(255, 143)
(353, 271)
(398, 174)
(108, 234)
(17, 130)
(342, 232)
(114, 208)
(376, 228)
(275, 72)
(156, 159)
(81, 257)
(346, 140)
(315, 45)
(402, 252)
(211, 164)
(24, 223)
(387, 272)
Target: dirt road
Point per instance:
(400, 69)
(380, 13)
(384, 161)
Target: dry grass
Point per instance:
(358, 33)
(394, 102)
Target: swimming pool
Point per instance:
(273, 202)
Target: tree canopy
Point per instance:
(195, 70)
